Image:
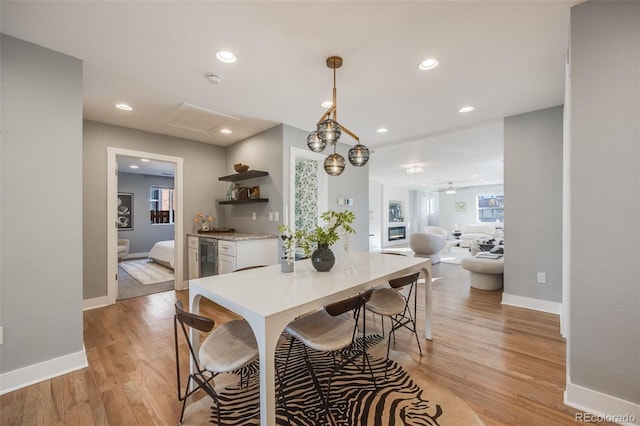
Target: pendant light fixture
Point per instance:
(328, 132)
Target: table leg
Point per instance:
(428, 301)
(267, 332)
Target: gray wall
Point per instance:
(203, 164)
(41, 205)
(533, 204)
(261, 152)
(144, 234)
(604, 328)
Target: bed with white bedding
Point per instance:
(162, 252)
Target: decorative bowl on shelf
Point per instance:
(239, 167)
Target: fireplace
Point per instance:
(397, 233)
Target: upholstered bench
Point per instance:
(486, 274)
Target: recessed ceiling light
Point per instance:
(466, 109)
(382, 130)
(124, 107)
(428, 64)
(475, 176)
(414, 170)
(226, 57)
(133, 166)
(226, 131)
(146, 160)
(327, 104)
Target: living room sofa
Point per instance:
(476, 232)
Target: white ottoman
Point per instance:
(486, 274)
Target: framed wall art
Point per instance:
(125, 211)
(461, 206)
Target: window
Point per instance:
(491, 208)
(161, 202)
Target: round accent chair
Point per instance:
(486, 274)
(427, 245)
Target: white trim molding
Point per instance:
(531, 303)
(602, 407)
(31, 374)
(96, 302)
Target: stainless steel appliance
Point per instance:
(208, 257)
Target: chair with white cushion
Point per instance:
(332, 329)
(395, 302)
(228, 348)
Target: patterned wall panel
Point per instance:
(306, 194)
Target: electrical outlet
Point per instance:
(276, 216)
(253, 216)
(270, 216)
(1, 335)
(542, 277)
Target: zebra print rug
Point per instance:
(402, 399)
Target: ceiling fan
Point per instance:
(451, 189)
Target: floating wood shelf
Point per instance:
(245, 201)
(251, 174)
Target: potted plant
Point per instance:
(337, 226)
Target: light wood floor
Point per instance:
(507, 363)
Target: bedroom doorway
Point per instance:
(130, 203)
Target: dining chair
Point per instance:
(395, 302)
(226, 349)
(332, 329)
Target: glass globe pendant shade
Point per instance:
(334, 164)
(314, 142)
(359, 155)
(329, 131)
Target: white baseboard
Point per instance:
(97, 302)
(531, 303)
(601, 406)
(26, 376)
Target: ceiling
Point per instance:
(503, 57)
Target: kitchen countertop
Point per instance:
(232, 236)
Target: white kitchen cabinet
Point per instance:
(192, 256)
(226, 264)
(238, 254)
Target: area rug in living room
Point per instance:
(407, 397)
(146, 271)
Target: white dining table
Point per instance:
(269, 299)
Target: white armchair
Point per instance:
(427, 245)
(441, 232)
(123, 248)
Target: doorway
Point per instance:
(305, 214)
(113, 154)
